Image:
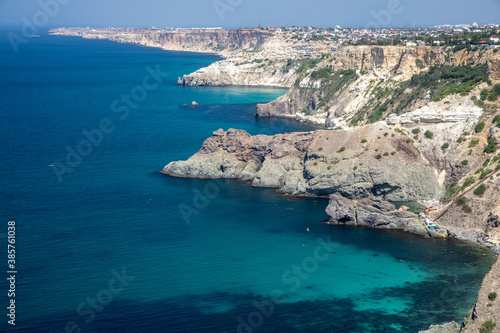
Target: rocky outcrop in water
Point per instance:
(451, 327)
(374, 214)
(363, 163)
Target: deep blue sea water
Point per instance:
(105, 248)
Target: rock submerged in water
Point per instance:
(451, 327)
(353, 163)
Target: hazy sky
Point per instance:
(247, 13)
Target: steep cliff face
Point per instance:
(486, 311)
(382, 80)
(265, 65)
(245, 71)
(355, 164)
(374, 214)
(397, 62)
(212, 41)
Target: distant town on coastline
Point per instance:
(459, 35)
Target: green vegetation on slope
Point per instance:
(441, 82)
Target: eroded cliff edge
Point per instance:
(317, 163)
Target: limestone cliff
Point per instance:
(371, 162)
(355, 85)
(212, 41)
(486, 311)
(265, 65)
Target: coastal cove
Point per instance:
(205, 271)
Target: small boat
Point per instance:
(193, 103)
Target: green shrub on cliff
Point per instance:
(378, 156)
(307, 64)
(378, 113)
(464, 162)
(485, 173)
(466, 208)
(468, 182)
(496, 89)
(323, 73)
(492, 296)
(341, 149)
(484, 94)
(460, 201)
(479, 191)
(451, 191)
(443, 81)
(491, 147)
(479, 127)
(288, 66)
(473, 143)
(496, 120)
(428, 134)
(487, 326)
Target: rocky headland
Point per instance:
(370, 162)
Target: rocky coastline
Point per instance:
(419, 148)
(294, 164)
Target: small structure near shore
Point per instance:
(429, 223)
(193, 103)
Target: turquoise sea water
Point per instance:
(108, 250)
